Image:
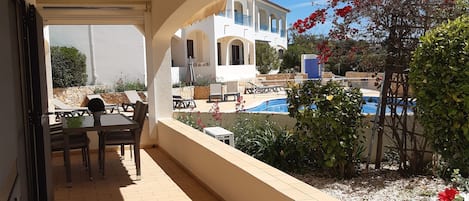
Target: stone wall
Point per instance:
(279, 79)
(76, 96)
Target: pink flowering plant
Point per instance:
(216, 114)
(195, 120)
(239, 106)
(192, 120)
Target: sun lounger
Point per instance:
(62, 109)
(107, 106)
(133, 97)
(179, 102)
(255, 89)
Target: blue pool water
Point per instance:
(281, 105)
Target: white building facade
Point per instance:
(223, 46)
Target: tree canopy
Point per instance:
(394, 24)
(68, 67)
(266, 58)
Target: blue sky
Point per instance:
(299, 9)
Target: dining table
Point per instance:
(80, 124)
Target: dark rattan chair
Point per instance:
(76, 141)
(127, 137)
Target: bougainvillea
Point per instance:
(394, 24)
(325, 52)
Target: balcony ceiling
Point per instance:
(93, 12)
(119, 11)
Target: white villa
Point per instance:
(222, 46)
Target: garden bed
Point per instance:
(385, 184)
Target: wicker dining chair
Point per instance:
(76, 141)
(130, 136)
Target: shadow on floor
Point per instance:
(184, 180)
(101, 188)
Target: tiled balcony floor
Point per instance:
(162, 179)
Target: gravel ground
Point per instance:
(384, 184)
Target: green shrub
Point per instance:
(197, 122)
(459, 182)
(328, 123)
(179, 84)
(266, 58)
(68, 67)
(439, 76)
(203, 81)
(122, 86)
(266, 141)
(189, 119)
(99, 90)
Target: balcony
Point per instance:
(186, 165)
(264, 27)
(283, 33)
(242, 19)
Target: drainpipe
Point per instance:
(94, 75)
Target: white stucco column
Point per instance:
(253, 14)
(147, 27)
(269, 18)
(158, 58)
(162, 20)
(228, 53)
(213, 50)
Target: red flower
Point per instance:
(356, 2)
(325, 52)
(301, 25)
(448, 194)
(342, 12)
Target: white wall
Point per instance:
(224, 29)
(118, 50)
(232, 72)
(178, 51)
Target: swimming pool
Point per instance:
(281, 106)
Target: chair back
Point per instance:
(140, 113)
(76, 140)
(55, 129)
(232, 87)
(215, 89)
(133, 96)
(56, 136)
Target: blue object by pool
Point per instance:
(281, 105)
